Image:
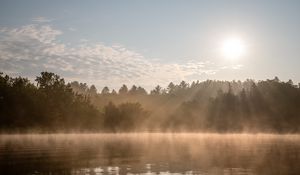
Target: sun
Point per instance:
(233, 48)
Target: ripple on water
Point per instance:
(150, 154)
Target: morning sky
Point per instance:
(143, 42)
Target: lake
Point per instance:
(156, 153)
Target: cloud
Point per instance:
(72, 29)
(41, 19)
(30, 49)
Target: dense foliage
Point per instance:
(51, 105)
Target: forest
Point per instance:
(51, 105)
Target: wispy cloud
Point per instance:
(30, 49)
(41, 19)
(72, 29)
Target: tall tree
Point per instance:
(105, 91)
(123, 90)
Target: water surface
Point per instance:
(206, 154)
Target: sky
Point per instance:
(143, 42)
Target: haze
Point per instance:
(148, 87)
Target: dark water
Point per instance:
(206, 154)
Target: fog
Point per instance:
(209, 127)
(54, 106)
(54, 56)
(184, 153)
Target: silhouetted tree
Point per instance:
(111, 117)
(92, 90)
(113, 92)
(133, 90)
(183, 85)
(171, 88)
(123, 90)
(156, 90)
(223, 106)
(141, 91)
(105, 91)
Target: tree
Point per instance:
(105, 91)
(171, 88)
(290, 82)
(156, 90)
(141, 91)
(132, 116)
(133, 90)
(113, 92)
(183, 85)
(49, 80)
(50, 105)
(124, 117)
(111, 117)
(92, 90)
(123, 90)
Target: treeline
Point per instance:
(51, 105)
(48, 106)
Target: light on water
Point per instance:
(149, 87)
(150, 154)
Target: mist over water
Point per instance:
(155, 153)
(149, 87)
(157, 133)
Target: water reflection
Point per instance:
(150, 154)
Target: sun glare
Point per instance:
(233, 48)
